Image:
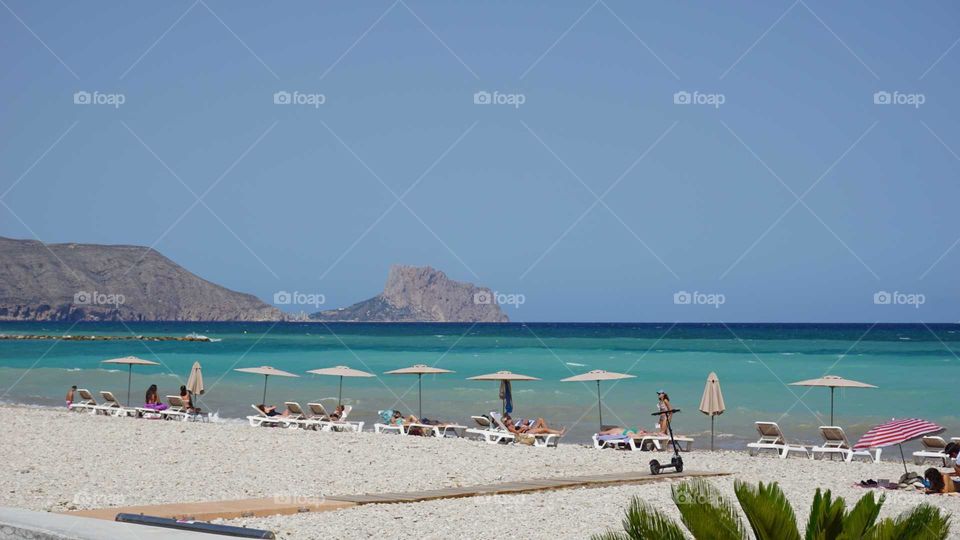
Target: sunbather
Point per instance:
(152, 400)
(538, 427)
(70, 393)
(187, 398)
(337, 413)
(271, 410)
(952, 451)
(629, 432)
(938, 482)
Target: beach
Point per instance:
(60, 461)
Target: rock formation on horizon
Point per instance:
(421, 294)
(70, 282)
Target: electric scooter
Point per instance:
(676, 462)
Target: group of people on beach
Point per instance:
(665, 415)
(151, 399)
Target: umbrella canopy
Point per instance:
(506, 393)
(130, 361)
(195, 381)
(598, 375)
(341, 371)
(419, 370)
(897, 432)
(831, 382)
(712, 401)
(266, 371)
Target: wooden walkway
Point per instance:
(205, 511)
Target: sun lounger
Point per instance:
(113, 407)
(933, 448)
(262, 420)
(342, 424)
(87, 403)
(317, 417)
(489, 432)
(388, 426)
(771, 438)
(835, 443)
(176, 410)
(295, 417)
(642, 441)
(542, 440)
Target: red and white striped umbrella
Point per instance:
(897, 432)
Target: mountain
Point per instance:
(421, 294)
(69, 282)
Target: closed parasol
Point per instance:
(711, 403)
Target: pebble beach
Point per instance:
(59, 461)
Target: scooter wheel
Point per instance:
(677, 464)
(654, 466)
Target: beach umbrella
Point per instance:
(505, 378)
(419, 370)
(712, 401)
(266, 371)
(832, 381)
(341, 371)
(195, 381)
(130, 361)
(897, 432)
(598, 375)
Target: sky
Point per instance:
(588, 161)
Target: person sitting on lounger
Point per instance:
(539, 427)
(70, 393)
(952, 450)
(187, 398)
(152, 400)
(271, 410)
(337, 413)
(938, 482)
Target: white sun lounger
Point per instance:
(262, 420)
(542, 440)
(643, 441)
(342, 424)
(771, 438)
(177, 410)
(295, 417)
(933, 448)
(318, 418)
(835, 443)
(113, 407)
(490, 433)
(88, 403)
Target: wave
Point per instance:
(574, 364)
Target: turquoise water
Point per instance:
(915, 366)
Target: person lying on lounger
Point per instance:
(337, 413)
(537, 427)
(271, 410)
(938, 482)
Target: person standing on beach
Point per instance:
(70, 393)
(663, 405)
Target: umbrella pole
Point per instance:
(420, 395)
(129, 380)
(831, 406)
(340, 393)
(712, 417)
(903, 459)
(599, 405)
(264, 402)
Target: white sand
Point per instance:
(58, 461)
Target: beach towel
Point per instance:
(507, 396)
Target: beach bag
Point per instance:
(528, 440)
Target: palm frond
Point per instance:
(643, 522)
(826, 517)
(861, 519)
(706, 513)
(768, 511)
(923, 522)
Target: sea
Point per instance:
(916, 369)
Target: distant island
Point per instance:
(90, 282)
(421, 294)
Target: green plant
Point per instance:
(706, 514)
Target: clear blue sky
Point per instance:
(501, 194)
